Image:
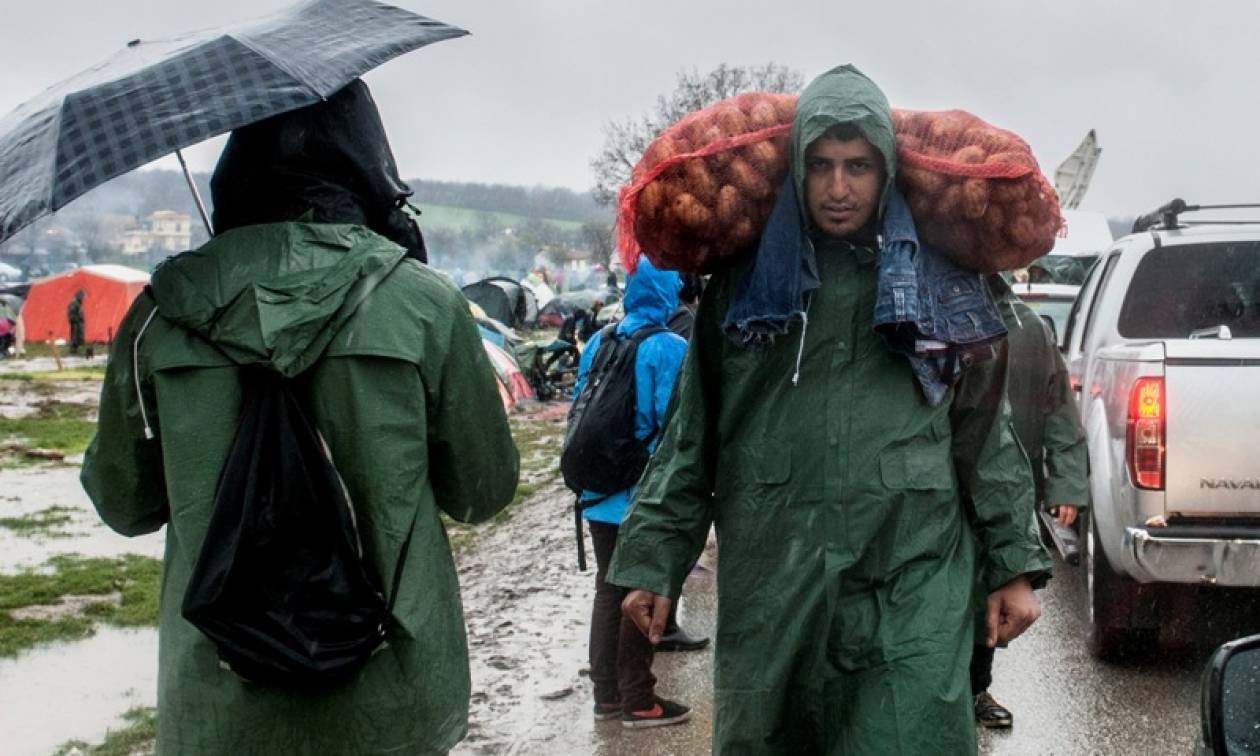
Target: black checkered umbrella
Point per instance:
(154, 98)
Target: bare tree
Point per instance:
(598, 238)
(625, 141)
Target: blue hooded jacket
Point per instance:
(651, 297)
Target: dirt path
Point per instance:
(528, 614)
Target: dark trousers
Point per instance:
(981, 668)
(621, 656)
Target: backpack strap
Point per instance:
(607, 345)
(644, 333)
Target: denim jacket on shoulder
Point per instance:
(934, 312)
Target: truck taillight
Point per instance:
(1145, 445)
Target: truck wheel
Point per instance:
(1111, 599)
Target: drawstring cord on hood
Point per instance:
(135, 373)
(800, 352)
(1014, 312)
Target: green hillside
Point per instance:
(462, 218)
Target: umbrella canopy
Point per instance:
(153, 98)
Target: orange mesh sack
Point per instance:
(704, 188)
(975, 191)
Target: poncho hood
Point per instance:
(843, 95)
(274, 294)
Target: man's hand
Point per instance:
(1012, 610)
(1066, 514)
(648, 612)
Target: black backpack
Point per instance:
(280, 585)
(601, 453)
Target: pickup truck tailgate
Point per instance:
(1213, 427)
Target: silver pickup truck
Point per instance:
(1163, 350)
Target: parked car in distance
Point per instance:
(1163, 350)
(1052, 302)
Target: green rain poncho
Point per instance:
(1043, 412)
(848, 510)
(402, 393)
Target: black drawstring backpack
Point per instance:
(281, 586)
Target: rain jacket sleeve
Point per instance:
(995, 479)
(473, 462)
(122, 470)
(656, 373)
(672, 510)
(1064, 442)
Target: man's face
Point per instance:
(843, 181)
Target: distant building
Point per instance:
(574, 259)
(165, 231)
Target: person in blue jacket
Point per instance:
(621, 656)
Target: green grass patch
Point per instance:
(55, 425)
(137, 736)
(49, 376)
(46, 522)
(136, 579)
(35, 349)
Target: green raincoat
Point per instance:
(1042, 407)
(403, 395)
(848, 510)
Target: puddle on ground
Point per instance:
(19, 400)
(528, 610)
(48, 364)
(78, 690)
(24, 491)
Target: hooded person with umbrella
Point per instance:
(315, 272)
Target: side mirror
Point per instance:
(1231, 699)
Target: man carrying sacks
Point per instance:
(858, 478)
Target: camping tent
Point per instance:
(498, 333)
(542, 292)
(513, 386)
(108, 292)
(503, 299)
(554, 313)
(531, 308)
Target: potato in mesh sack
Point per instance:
(975, 190)
(705, 187)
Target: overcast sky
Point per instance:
(1170, 87)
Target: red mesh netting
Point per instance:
(975, 190)
(705, 187)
